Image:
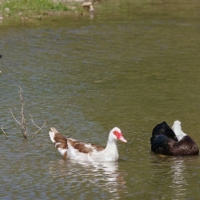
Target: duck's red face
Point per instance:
(119, 136)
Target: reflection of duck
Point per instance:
(177, 172)
(76, 150)
(108, 168)
(101, 176)
(173, 141)
(178, 180)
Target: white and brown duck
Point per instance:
(77, 150)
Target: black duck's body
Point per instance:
(164, 141)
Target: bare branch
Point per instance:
(39, 128)
(22, 121)
(14, 116)
(24, 128)
(3, 130)
(34, 122)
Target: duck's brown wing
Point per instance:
(59, 141)
(84, 147)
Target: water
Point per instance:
(133, 65)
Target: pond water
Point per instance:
(133, 65)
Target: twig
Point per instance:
(39, 128)
(14, 116)
(3, 130)
(34, 122)
(23, 120)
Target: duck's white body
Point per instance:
(76, 150)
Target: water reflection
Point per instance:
(103, 176)
(169, 177)
(178, 180)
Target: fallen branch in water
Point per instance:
(22, 121)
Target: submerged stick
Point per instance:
(22, 121)
(3, 130)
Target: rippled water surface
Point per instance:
(132, 65)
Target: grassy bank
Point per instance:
(34, 8)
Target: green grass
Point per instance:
(30, 7)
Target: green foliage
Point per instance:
(31, 6)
